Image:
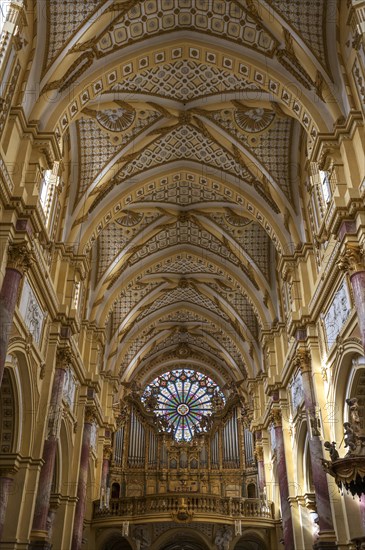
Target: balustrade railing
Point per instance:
(234, 507)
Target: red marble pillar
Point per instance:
(303, 361)
(259, 454)
(39, 528)
(81, 486)
(50, 520)
(6, 480)
(352, 261)
(288, 533)
(107, 453)
(18, 263)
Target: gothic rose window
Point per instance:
(183, 400)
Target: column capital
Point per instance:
(352, 259)
(107, 452)
(302, 359)
(19, 257)
(276, 417)
(90, 414)
(259, 452)
(63, 358)
(8, 471)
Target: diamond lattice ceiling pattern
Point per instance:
(184, 137)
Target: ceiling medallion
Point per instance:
(130, 219)
(116, 120)
(236, 220)
(253, 120)
(349, 471)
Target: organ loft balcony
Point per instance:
(185, 507)
(173, 459)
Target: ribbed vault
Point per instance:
(184, 128)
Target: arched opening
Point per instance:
(116, 542)
(249, 545)
(183, 541)
(115, 490)
(251, 490)
(250, 542)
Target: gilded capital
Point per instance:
(259, 452)
(63, 358)
(90, 414)
(19, 257)
(352, 259)
(302, 359)
(107, 452)
(276, 417)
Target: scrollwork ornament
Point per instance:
(352, 259)
(19, 257)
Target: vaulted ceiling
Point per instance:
(182, 123)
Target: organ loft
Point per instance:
(182, 274)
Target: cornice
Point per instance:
(299, 255)
(30, 129)
(342, 130)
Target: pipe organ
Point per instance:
(148, 460)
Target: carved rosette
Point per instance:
(63, 358)
(19, 257)
(302, 360)
(352, 259)
(90, 414)
(276, 417)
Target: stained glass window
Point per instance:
(183, 400)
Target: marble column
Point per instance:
(259, 454)
(82, 483)
(288, 533)
(352, 261)
(6, 480)
(18, 262)
(107, 453)
(39, 529)
(50, 520)
(302, 360)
